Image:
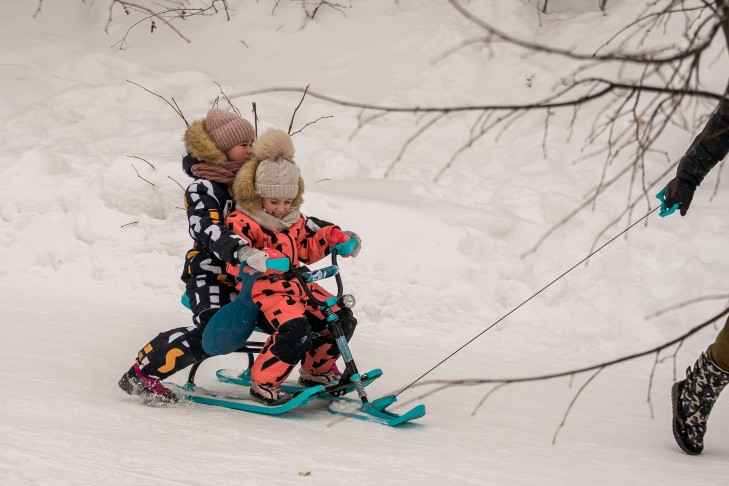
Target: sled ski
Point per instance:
(244, 379)
(374, 411)
(240, 399)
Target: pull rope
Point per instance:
(527, 300)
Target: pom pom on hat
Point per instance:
(228, 129)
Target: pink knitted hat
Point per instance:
(228, 129)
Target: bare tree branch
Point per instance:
(410, 140)
(293, 115)
(143, 160)
(173, 180)
(335, 6)
(687, 303)
(445, 383)
(697, 45)
(255, 118)
(230, 103)
(159, 15)
(609, 87)
(173, 104)
(574, 399)
(310, 123)
(145, 180)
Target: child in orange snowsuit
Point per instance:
(268, 193)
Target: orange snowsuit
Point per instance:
(284, 303)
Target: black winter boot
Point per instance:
(693, 399)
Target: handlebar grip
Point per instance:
(320, 274)
(280, 264)
(347, 247)
(665, 210)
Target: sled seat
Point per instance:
(250, 348)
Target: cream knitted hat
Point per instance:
(277, 178)
(277, 175)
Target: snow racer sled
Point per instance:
(231, 326)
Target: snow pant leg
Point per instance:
(281, 352)
(176, 349)
(719, 351)
(171, 351)
(324, 350)
(206, 297)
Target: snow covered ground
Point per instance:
(92, 239)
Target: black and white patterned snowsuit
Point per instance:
(208, 286)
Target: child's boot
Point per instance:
(693, 399)
(150, 390)
(316, 367)
(270, 394)
(310, 379)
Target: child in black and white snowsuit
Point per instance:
(217, 147)
(694, 397)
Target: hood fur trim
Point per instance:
(199, 144)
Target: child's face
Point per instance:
(240, 153)
(276, 206)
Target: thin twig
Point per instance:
(574, 399)
(291, 124)
(176, 182)
(174, 106)
(310, 123)
(143, 160)
(485, 397)
(145, 180)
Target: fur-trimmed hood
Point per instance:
(199, 144)
(273, 144)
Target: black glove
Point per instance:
(679, 191)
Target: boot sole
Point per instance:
(311, 383)
(271, 402)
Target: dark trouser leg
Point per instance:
(720, 348)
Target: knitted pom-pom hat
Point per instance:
(277, 175)
(273, 153)
(228, 129)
